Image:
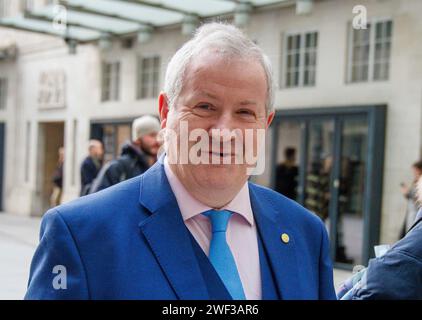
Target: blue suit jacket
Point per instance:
(130, 242)
(397, 275)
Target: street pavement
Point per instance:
(18, 241)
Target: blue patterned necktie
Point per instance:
(221, 256)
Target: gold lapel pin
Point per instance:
(285, 238)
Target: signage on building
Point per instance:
(52, 89)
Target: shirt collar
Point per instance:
(190, 207)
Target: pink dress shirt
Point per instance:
(241, 231)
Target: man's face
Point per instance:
(218, 93)
(61, 155)
(97, 151)
(150, 144)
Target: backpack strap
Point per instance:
(128, 164)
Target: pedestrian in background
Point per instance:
(136, 156)
(56, 195)
(286, 174)
(91, 165)
(409, 192)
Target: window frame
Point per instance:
(112, 91)
(371, 60)
(302, 52)
(27, 5)
(151, 85)
(4, 8)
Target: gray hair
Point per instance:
(144, 125)
(230, 41)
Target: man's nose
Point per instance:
(223, 126)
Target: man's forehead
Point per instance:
(211, 59)
(237, 70)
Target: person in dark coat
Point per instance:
(286, 175)
(91, 165)
(136, 157)
(396, 275)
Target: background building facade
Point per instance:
(348, 100)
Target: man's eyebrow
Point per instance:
(212, 96)
(248, 102)
(207, 94)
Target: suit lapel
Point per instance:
(168, 236)
(282, 256)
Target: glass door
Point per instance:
(350, 182)
(319, 167)
(321, 162)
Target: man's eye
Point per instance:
(246, 112)
(205, 107)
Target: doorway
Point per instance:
(334, 160)
(50, 140)
(2, 150)
(113, 134)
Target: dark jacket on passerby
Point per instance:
(89, 171)
(131, 163)
(58, 176)
(397, 275)
(286, 180)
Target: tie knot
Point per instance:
(219, 219)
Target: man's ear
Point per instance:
(163, 109)
(270, 119)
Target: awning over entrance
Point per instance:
(92, 20)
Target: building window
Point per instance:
(27, 5)
(383, 33)
(300, 59)
(4, 8)
(370, 50)
(148, 77)
(110, 81)
(113, 135)
(3, 93)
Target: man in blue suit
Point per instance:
(189, 229)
